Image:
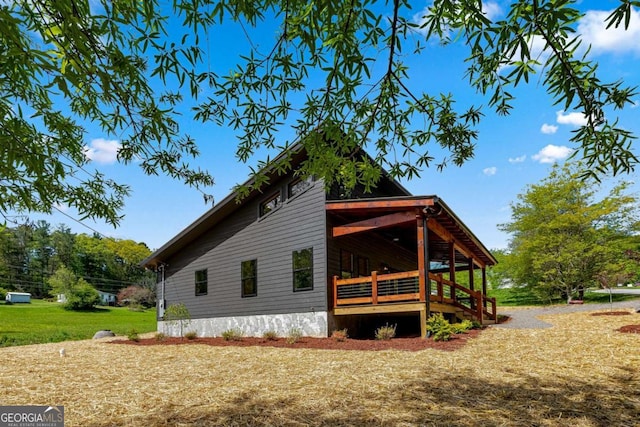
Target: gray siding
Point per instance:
(298, 223)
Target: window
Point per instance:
(346, 264)
(363, 266)
(299, 186)
(353, 266)
(271, 204)
(249, 278)
(303, 270)
(201, 282)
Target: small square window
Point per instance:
(249, 278)
(271, 204)
(303, 270)
(201, 282)
(299, 186)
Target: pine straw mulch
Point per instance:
(580, 372)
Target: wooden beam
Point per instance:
(452, 262)
(400, 297)
(422, 262)
(423, 322)
(380, 309)
(379, 204)
(374, 223)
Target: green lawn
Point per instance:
(523, 297)
(42, 321)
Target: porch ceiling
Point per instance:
(405, 234)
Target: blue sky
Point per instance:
(511, 151)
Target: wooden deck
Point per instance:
(401, 292)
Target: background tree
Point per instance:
(337, 73)
(77, 294)
(565, 231)
(31, 253)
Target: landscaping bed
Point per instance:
(408, 344)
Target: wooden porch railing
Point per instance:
(404, 287)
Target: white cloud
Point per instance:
(490, 171)
(548, 129)
(635, 104)
(593, 31)
(576, 119)
(491, 9)
(552, 153)
(518, 159)
(102, 151)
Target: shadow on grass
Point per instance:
(87, 310)
(436, 400)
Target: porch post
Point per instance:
(452, 268)
(423, 269)
(484, 285)
(470, 261)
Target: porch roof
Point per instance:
(448, 226)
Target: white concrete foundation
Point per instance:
(311, 324)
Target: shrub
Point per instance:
(82, 296)
(160, 336)
(439, 327)
(133, 335)
(136, 296)
(270, 335)
(340, 335)
(385, 332)
(3, 294)
(232, 335)
(178, 313)
(294, 335)
(191, 335)
(79, 294)
(462, 327)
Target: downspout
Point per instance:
(163, 302)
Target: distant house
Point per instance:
(17, 297)
(106, 298)
(296, 256)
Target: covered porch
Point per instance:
(445, 253)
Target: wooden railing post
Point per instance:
(374, 287)
(335, 291)
(479, 309)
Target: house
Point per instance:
(15, 297)
(296, 256)
(106, 298)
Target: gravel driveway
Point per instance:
(527, 318)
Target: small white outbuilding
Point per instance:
(15, 297)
